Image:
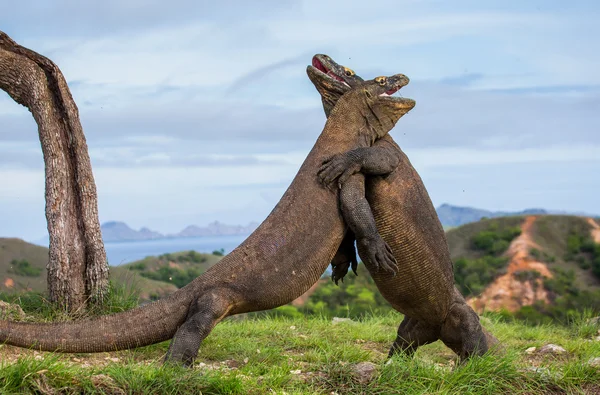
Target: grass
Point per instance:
(315, 356)
(121, 296)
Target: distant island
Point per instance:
(119, 231)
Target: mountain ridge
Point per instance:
(114, 231)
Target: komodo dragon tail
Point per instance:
(142, 326)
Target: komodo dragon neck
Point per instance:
(278, 262)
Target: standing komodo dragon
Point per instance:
(277, 263)
(398, 206)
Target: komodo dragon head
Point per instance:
(332, 80)
(379, 108)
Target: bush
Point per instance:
(23, 268)
(527, 275)
(473, 275)
(138, 266)
(219, 252)
(178, 277)
(493, 241)
(192, 256)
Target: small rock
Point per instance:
(246, 360)
(295, 371)
(257, 351)
(530, 350)
(11, 311)
(337, 320)
(38, 357)
(112, 359)
(364, 372)
(552, 349)
(232, 364)
(201, 365)
(594, 362)
(303, 336)
(293, 327)
(543, 372)
(76, 360)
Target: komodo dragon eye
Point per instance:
(381, 80)
(349, 72)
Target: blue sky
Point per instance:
(197, 111)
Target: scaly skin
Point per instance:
(393, 203)
(296, 241)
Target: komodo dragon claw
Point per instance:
(339, 167)
(378, 253)
(344, 259)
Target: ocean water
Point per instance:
(129, 251)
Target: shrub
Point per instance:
(23, 268)
(219, 252)
(493, 241)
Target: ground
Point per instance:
(320, 356)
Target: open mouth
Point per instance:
(390, 92)
(317, 64)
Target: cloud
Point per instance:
(202, 109)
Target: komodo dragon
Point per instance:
(398, 206)
(277, 263)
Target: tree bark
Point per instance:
(77, 266)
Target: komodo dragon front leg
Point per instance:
(379, 160)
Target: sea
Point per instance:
(119, 253)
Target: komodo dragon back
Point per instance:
(277, 263)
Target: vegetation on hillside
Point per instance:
(175, 268)
(574, 264)
(472, 275)
(22, 267)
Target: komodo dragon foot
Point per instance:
(344, 259)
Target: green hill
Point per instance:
(160, 275)
(23, 268)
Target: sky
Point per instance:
(196, 111)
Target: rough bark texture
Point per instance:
(77, 266)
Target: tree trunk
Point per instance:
(77, 266)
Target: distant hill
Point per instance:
(536, 266)
(15, 274)
(451, 216)
(23, 268)
(120, 231)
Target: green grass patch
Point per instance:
(313, 355)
